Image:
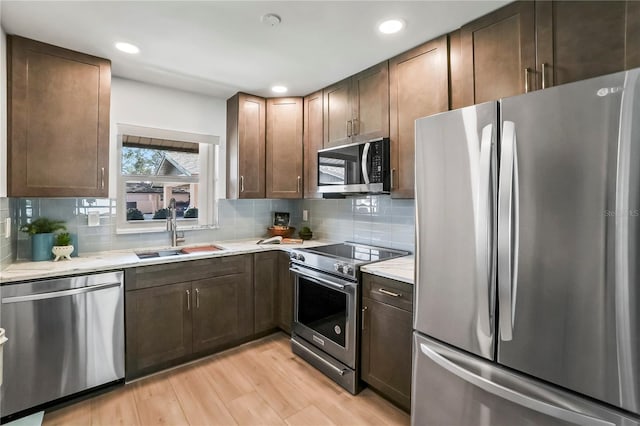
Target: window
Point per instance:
(156, 166)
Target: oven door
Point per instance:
(325, 310)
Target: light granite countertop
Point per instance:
(119, 259)
(400, 268)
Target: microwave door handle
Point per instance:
(364, 163)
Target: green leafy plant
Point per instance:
(134, 214)
(305, 233)
(161, 214)
(191, 213)
(63, 239)
(43, 225)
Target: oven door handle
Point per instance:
(318, 280)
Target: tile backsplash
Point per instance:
(375, 219)
(237, 219)
(7, 243)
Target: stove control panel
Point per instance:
(297, 256)
(343, 268)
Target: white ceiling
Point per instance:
(221, 47)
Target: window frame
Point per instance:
(209, 152)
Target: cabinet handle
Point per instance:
(188, 300)
(241, 183)
(356, 126)
(526, 80)
(544, 75)
(389, 293)
(364, 311)
(349, 128)
(102, 177)
(197, 298)
(393, 172)
(299, 184)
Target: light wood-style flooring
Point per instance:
(260, 383)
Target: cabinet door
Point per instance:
(632, 48)
(498, 54)
(285, 293)
(370, 103)
(246, 126)
(284, 148)
(312, 140)
(418, 86)
(58, 129)
(265, 291)
(158, 328)
(338, 124)
(386, 350)
(577, 40)
(222, 310)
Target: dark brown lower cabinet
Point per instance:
(221, 311)
(265, 288)
(168, 323)
(285, 293)
(386, 339)
(158, 327)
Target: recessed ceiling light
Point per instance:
(279, 89)
(391, 26)
(127, 47)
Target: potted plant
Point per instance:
(41, 231)
(305, 233)
(63, 247)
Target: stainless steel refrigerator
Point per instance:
(527, 256)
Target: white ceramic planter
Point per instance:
(63, 252)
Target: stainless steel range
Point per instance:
(327, 306)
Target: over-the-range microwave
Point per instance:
(357, 168)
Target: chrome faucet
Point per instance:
(172, 225)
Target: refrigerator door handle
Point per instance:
(484, 232)
(625, 331)
(508, 218)
(512, 392)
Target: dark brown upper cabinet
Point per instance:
(498, 54)
(579, 39)
(246, 129)
(337, 113)
(632, 46)
(58, 121)
(418, 87)
(284, 148)
(357, 108)
(313, 142)
(527, 45)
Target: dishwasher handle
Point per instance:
(61, 293)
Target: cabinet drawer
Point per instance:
(169, 273)
(385, 290)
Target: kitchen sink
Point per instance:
(178, 252)
(159, 253)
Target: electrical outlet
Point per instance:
(7, 227)
(93, 219)
(305, 215)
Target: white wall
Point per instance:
(142, 104)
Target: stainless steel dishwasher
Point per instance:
(67, 336)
